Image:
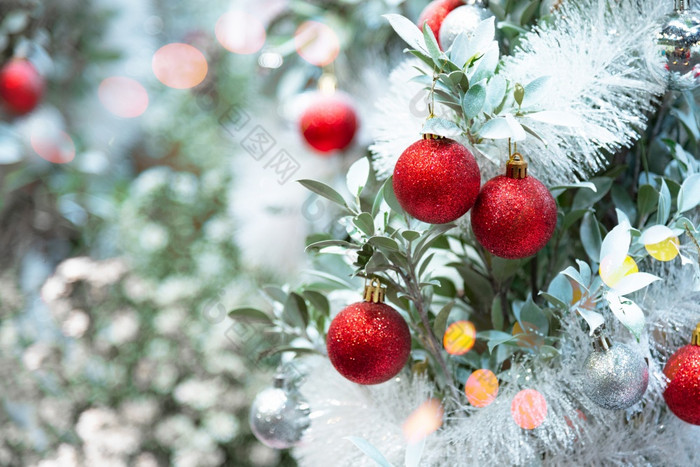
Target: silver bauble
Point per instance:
(462, 19)
(615, 378)
(278, 416)
(679, 44)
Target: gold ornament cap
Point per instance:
(374, 292)
(695, 340)
(516, 167)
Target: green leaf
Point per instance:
(324, 190)
(365, 223)
(529, 11)
(431, 236)
(330, 278)
(318, 301)
(532, 314)
(390, 197)
(663, 209)
(571, 217)
(627, 312)
(535, 90)
(295, 312)
(377, 204)
(357, 176)
(473, 101)
(592, 318)
(410, 235)
(689, 194)
(378, 262)
(432, 45)
(250, 313)
(519, 93)
(440, 324)
(497, 314)
(560, 291)
(275, 293)
(495, 338)
(647, 198)
(547, 352)
(327, 243)
(385, 243)
(406, 30)
(590, 236)
(584, 199)
(623, 201)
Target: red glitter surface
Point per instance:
(368, 343)
(21, 86)
(514, 218)
(434, 14)
(683, 391)
(436, 180)
(329, 123)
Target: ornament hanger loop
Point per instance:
(695, 340)
(601, 342)
(682, 5)
(516, 166)
(374, 292)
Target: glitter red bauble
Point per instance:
(21, 86)
(368, 343)
(683, 391)
(435, 12)
(514, 218)
(436, 180)
(329, 123)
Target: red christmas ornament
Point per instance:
(21, 86)
(369, 342)
(683, 391)
(329, 123)
(436, 180)
(434, 14)
(514, 215)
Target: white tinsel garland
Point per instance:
(575, 430)
(598, 56)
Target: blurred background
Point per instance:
(148, 155)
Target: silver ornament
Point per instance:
(615, 377)
(278, 416)
(679, 44)
(462, 19)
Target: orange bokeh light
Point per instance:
(459, 338)
(423, 421)
(481, 388)
(529, 409)
(124, 97)
(317, 43)
(179, 66)
(240, 32)
(53, 146)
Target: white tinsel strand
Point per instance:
(597, 55)
(575, 430)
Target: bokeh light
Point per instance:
(611, 274)
(459, 338)
(240, 32)
(665, 250)
(317, 43)
(426, 419)
(270, 60)
(179, 66)
(53, 145)
(481, 388)
(124, 97)
(528, 409)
